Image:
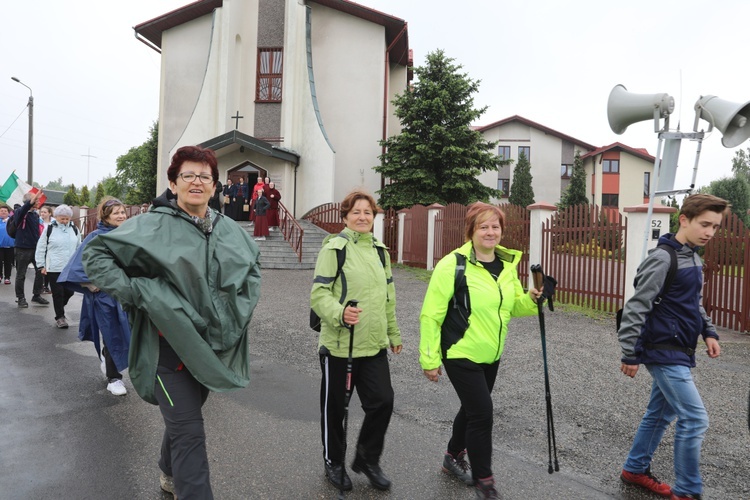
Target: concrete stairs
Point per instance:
(277, 253)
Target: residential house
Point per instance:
(296, 90)
(614, 173)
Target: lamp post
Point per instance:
(30, 173)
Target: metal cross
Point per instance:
(237, 119)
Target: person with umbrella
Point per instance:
(467, 336)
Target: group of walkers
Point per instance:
(189, 280)
(259, 204)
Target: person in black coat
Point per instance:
(230, 200)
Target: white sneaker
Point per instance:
(117, 388)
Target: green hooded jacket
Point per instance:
(199, 290)
(492, 305)
(363, 278)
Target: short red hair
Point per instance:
(480, 212)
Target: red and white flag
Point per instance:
(13, 190)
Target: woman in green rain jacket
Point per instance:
(366, 277)
(469, 345)
(189, 279)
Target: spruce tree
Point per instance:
(575, 193)
(71, 197)
(437, 157)
(521, 191)
(85, 196)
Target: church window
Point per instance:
(270, 65)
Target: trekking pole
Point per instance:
(547, 285)
(347, 395)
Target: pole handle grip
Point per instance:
(538, 275)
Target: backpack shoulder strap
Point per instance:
(459, 278)
(49, 231)
(381, 254)
(670, 274)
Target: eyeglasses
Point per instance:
(190, 177)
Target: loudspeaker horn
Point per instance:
(731, 118)
(626, 108)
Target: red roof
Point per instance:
(639, 152)
(538, 126)
(396, 32)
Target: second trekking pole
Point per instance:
(547, 285)
(348, 394)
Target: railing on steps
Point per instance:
(291, 230)
(326, 217)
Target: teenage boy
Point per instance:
(663, 337)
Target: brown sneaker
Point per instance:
(648, 481)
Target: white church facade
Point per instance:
(296, 90)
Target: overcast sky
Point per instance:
(96, 88)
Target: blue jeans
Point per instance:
(673, 394)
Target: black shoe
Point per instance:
(22, 302)
(38, 299)
(333, 473)
(373, 472)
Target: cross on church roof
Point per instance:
(237, 119)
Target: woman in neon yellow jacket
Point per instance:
(467, 336)
(365, 276)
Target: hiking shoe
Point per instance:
(458, 466)
(38, 299)
(166, 483)
(116, 387)
(485, 488)
(373, 472)
(646, 480)
(7, 281)
(334, 472)
(61, 323)
(22, 302)
(693, 496)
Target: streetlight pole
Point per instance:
(30, 173)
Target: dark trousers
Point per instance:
(7, 255)
(60, 295)
(109, 364)
(372, 379)
(183, 447)
(472, 427)
(24, 257)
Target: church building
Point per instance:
(296, 90)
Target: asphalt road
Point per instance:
(62, 435)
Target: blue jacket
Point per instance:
(677, 321)
(28, 230)
(100, 312)
(5, 240)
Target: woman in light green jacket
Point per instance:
(467, 337)
(365, 276)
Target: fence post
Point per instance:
(540, 212)
(637, 219)
(378, 225)
(432, 212)
(401, 217)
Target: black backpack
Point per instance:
(49, 231)
(340, 258)
(667, 282)
(456, 320)
(10, 226)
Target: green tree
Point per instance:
(575, 193)
(521, 191)
(98, 193)
(136, 170)
(56, 185)
(741, 164)
(437, 157)
(85, 196)
(71, 197)
(736, 191)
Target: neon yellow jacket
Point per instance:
(363, 278)
(492, 306)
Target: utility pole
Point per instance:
(30, 173)
(88, 167)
